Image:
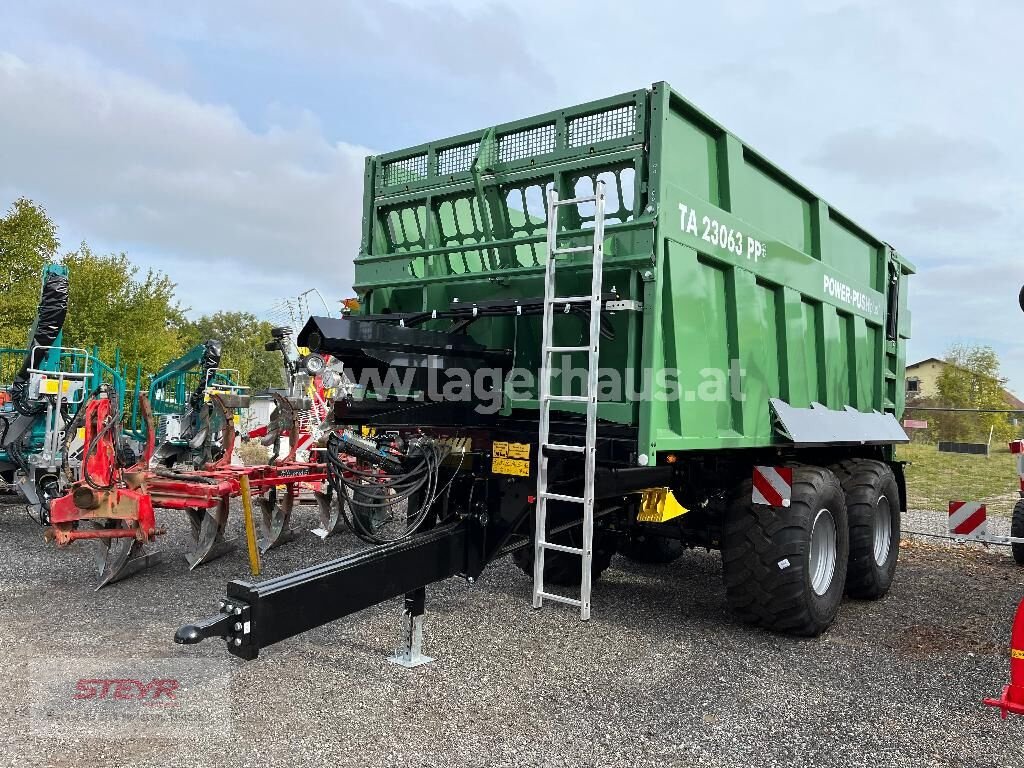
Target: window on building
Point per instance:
(913, 385)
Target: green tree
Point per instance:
(28, 241)
(112, 306)
(971, 379)
(242, 337)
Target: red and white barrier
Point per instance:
(968, 518)
(773, 486)
(1017, 449)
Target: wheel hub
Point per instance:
(882, 524)
(822, 557)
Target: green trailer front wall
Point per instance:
(738, 267)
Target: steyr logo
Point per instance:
(160, 690)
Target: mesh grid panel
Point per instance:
(611, 124)
(456, 159)
(404, 171)
(523, 144)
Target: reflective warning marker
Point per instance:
(773, 486)
(967, 518)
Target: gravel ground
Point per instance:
(662, 675)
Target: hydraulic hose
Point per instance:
(391, 488)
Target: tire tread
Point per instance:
(756, 538)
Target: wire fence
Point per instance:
(962, 479)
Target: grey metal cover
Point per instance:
(819, 425)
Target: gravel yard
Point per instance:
(662, 675)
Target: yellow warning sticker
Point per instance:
(504, 450)
(52, 386)
(1017, 653)
(519, 451)
(510, 458)
(510, 467)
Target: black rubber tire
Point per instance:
(1017, 531)
(865, 482)
(563, 568)
(766, 556)
(647, 548)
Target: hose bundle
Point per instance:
(369, 498)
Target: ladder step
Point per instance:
(562, 497)
(571, 299)
(576, 201)
(572, 249)
(566, 448)
(561, 599)
(566, 349)
(568, 398)
(562, 548)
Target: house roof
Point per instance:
(927, 360)
(1012, 400)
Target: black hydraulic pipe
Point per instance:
(617, 481)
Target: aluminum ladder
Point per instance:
(589, 449)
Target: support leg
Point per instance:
(411, 654)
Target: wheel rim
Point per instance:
(823, 551)
(883, 530)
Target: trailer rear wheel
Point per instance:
(785, 568)
(564, 568)
(642, 547)
(1017, 530)
(873, 509)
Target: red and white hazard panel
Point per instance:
(1017, 449)
(967, 518)
(773, 486)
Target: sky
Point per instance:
(223, 142)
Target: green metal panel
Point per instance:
(747, 278)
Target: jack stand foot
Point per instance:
(411, 655)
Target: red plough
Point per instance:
(115, 506)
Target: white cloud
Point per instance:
(911, 154)
(129, 165)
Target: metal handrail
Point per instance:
(62, 351)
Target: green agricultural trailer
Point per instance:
(610, 328)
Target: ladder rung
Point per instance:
(568, 398)
(566, 448)
(562, 497)
(576, 200)
(571, 299)
(561, 599)
(562, 548)
(566, 349)
(572, 249)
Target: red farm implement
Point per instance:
(115, 505)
